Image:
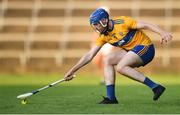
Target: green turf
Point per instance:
(83, 93)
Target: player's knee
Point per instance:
(121, 68)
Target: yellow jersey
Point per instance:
(124, 34)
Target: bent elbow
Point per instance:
(149, 26)
(142, 25)
(145, 25)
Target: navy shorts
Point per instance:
(145, 52)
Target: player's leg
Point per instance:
(105, 50)
(140, 56)
(109, 74)
(127, 64)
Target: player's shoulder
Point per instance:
(101, 37)
(100, 40)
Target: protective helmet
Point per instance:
(97, 15)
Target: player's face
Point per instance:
(98, 27)
(101, 26)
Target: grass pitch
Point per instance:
(82, 94)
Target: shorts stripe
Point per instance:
(144, 50)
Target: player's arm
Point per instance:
(82, 62)
(165, 36)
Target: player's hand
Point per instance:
(69, 76)
(165, 37)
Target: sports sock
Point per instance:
(110, 92)
(150, 83)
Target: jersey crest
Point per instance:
(119, 21)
